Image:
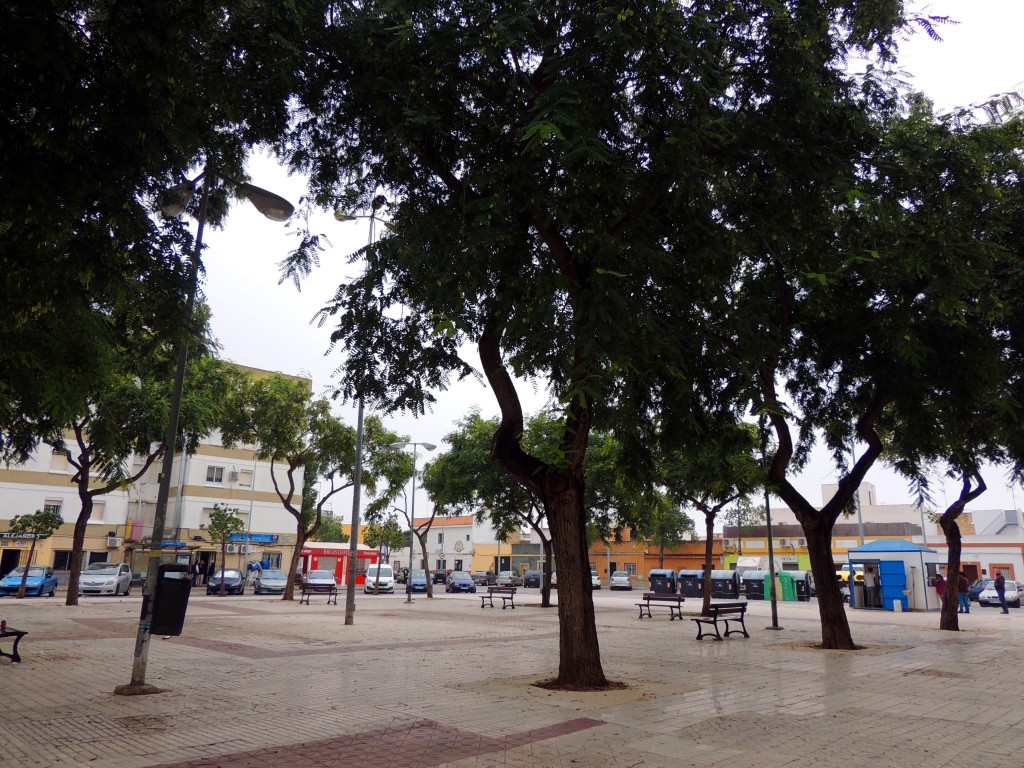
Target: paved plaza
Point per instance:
(256, 682)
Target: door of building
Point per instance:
(9, 559)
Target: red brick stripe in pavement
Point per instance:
(420, 745)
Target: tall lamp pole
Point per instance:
(412, 513)
(275, 208)
(357, 471)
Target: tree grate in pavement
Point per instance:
(422, 744)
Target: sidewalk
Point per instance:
(442, 682)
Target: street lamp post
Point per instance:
(412, 507)
(357, 471)
(275, 208)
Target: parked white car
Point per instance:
(381, 577)
(105, 579)
(595, 580)
(620, 580)
(1014, 590)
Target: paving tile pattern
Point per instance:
(259, 682)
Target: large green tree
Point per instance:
(952, 188)
(296, 433)
(555, 166)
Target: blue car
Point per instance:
(418, 581)
(41, 581)
(460, 581)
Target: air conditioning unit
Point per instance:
(801, 542)
(783, 542)
(232, 549)
(113, 542)
(245, 549)
(232, 476)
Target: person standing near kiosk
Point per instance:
(962, 585)
(871, 596)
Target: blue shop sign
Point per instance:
(257, 538)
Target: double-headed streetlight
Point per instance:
(275, 208)
(412, 513)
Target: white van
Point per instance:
(386, 576)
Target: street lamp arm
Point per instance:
(270, 204)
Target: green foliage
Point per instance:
(665, 525)
(330, 530)
(40, 524)
(386, 536)
(744, 514)
(224, 523)
(279, 417)
(118, 102)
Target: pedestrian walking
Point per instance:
(1000, 587)
(197, 571)
(962, 585)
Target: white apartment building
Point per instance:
(121, 525)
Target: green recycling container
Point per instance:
(787, 584)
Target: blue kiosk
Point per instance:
(895, 573)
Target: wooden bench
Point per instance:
(308, 590)
(17, 634)
(507, 595)
(674, 603)
(727, 612)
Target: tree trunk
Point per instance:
(835, 629)
(561, 490)
(950, 601)
(300, 542)
(579, 666)
(709, 534)
(78, 542)
(972, 486)
(28, 565)
(426, 569)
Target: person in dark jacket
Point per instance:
(1000, 587)
(962, 585)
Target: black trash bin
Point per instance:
(663, 581)
(691, 583)
(725, 584)
(753, 584)
(173, 585)
(803, 581)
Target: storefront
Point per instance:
(334, 557)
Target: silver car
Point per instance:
(105, 579)
(620, 580)
(270, 582)
(1013, 591)
(509, 579)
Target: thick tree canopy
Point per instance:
(572, 185)
(105, 105)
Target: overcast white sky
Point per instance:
(266, 325)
